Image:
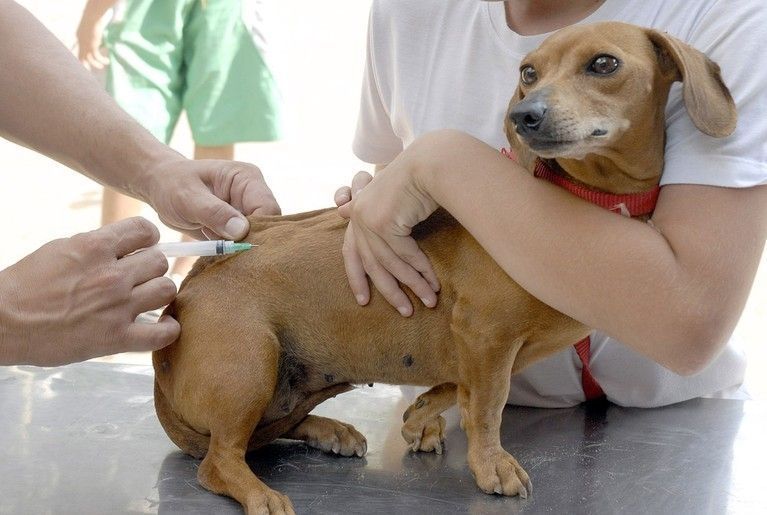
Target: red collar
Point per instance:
(628, 204)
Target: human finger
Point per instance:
(359, 181)
(216, 215)
(144, 265)
(153, 294)
(355, 271)
(409, 265)
(246, 189)
(390, 256)
(130, 235)
(411, 253)
(209, 235)
(348, 193)
(343, 195)
(148, 337)
(383, 280)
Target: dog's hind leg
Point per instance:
(424, 426)
(330, 436)
(233, 411)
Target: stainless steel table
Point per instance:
(84, 439)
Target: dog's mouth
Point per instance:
(541, 144)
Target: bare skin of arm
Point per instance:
(77, 298)
(51, 105)
(673, 291)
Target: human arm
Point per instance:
(90, 32)
(673, 293)
(77, 298)
(50, 104)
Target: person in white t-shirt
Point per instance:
(672, 297)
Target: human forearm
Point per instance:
(664, 293)
(52, 105)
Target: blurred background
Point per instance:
(317, 51)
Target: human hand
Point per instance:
(345, 194)
(383, 211)
(77, 298)
(90, 34)
(208, 198)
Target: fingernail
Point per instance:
(404, 311)
(235, 228)
(428, 302)
(361, 300)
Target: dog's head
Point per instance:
(593, 97)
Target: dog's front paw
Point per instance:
(500, 473)
(337, 437)
(424, 435)
(268, 501)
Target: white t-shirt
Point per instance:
(436, 64)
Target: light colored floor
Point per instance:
(42, 200)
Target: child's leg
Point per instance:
(116, 206)
(221, 152)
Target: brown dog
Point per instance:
(269, 334)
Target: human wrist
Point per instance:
(140, 162)
(432, 155)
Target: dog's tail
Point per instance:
(270, 432)
(196, 444)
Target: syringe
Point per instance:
(202, 248)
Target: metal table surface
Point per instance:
(84, 439)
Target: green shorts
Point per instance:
(194, 55)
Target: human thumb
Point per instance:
(223, 219)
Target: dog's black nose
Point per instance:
(528, 115)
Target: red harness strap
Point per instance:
(591, 388)
(632, 204)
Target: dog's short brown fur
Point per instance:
(270, 333)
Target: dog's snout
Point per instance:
(528, 115)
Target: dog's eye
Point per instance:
(528, 75)
(604, 64)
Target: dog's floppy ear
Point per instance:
(706, 97)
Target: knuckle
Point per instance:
(362, 178)
(142, 226)
(112, 281)
(220, 210)
(271, 207)
(93, 243)
(241, 170)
